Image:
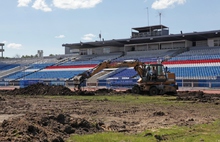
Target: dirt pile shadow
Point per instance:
(45, 127)
(198, 96)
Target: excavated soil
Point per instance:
(26, 115)
(198, 96)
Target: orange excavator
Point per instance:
(154, 78)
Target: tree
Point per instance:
(17, 56)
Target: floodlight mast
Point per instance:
(160, 14)
(100, 35)
(160, 17)
(148, 17)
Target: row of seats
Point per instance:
(192, 61)
(69, 63)
(73, 66)
(196, 57)
(147, 56)
(125, 73)
(8, 66)
(40, 66)
(201, 51)
(54, 75)
(106, 57)
(196, 72)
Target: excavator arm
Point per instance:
(139, 68)
(79, 79)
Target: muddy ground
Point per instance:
(25, 115)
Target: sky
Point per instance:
(27, 26)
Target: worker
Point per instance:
(166, 69)
(153, 74)
(148, 73)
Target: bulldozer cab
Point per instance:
(155, 72)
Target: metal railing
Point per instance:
(181, 84)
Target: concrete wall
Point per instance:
(211, 42)
(166, 46)
(67, 50)
(201, 43)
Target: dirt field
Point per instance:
(26, 116)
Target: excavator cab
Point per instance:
(154, 72)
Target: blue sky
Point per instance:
(31, 25)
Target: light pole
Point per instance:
(147, 17)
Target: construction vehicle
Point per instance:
(154, 78)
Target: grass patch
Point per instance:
(107, 137)
(203, 132)
(197, 133)
(128, 98)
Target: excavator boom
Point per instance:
(80, 78)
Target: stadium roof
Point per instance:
(149, 28)
(194, 36)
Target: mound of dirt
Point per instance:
(2, 99)
(198, 96)
(58, 90)
(105, 91)
(41, 89)
(45, 127)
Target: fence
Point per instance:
(114, 83)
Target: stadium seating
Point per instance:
(69, 63)
(198, 63)
(128, 72)
(7, 66)
(40, 66)
(52, 75)
(196, 72)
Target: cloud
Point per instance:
(60, 36)
(163, 4)
(88, 37)
(75, 4)
(4, 42)
(22, 3)
(63, 4)
(14, 46)
(41, 5)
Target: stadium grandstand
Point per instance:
(193, 57)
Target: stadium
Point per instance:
(193, 57)
(39, 101)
